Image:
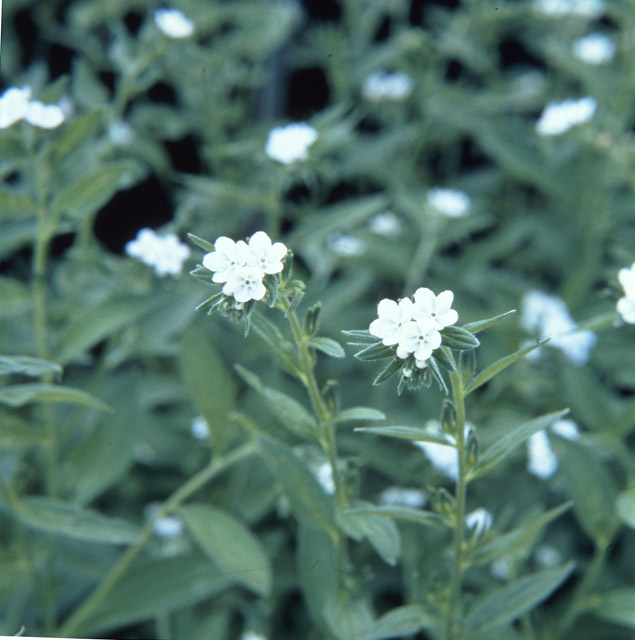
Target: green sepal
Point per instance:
(364, 335)
(395, 365)
(212, 303)
(433, 367)
(377, 351)
(459, 338)
(294, 289)
(199, 242)
(444, 357)
(312, 319)
(202, 274)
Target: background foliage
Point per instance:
(107, 365)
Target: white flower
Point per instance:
(265, 256)
(325, 478)
(547, 556)
(501, 568)
(165, 253)
(435, 308)
(252, 635)
(444, 458)
(291, 143)
(173, 23)
(345, 245)
(168, 527)
(566, 429)
(399, 495)
(228, 256)
(596, 48)
(480, 520)
(120, 133)
(14, 104)
(392, 318)
(46, 116)
(381, 85)
(542, 462)
(385, 224)
(245, 284)
(199, 429)
(626, 304)
(559, 117)
(588, 8)
(419, 338)
(450, 202)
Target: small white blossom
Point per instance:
(566, 429)
(587, 8)
(542, 462)
(450, 202)
(168, 527)
(291, 143)
(325, 478)
(252, 635)
(399, 495)
(501, 568)
(385, 224)
(16, 105)
(345, 245)
(199, 429)
(559, 117)
(381, 85)
(435, 308)
(228, 256)
(596, 49)
(265, 256)
(480, 520)
(444, 458)
(419, 338)
(120, 133)
(392, 317)
(165, 253)
(245, 284)
(173, 23)
(626, 304)
(548, 556)
(46, 116)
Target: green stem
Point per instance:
(198, 481)
(459, 520)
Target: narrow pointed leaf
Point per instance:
(283, 349)
(404, 513)
(390, 370)
(480, 325)
(407, 433)
(199, 242)
(400, 622)
(363, 335)
(19, 395)
(444, 357)
(360, 413)
(27, 366)
(328, 346)
(377, 351)
(459, 338)
(617, 606)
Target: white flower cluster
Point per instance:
(548, 317)
(596, 48)
(587, 8)
(16, 105)
(241, 266)
(173, 23)
(450, 202)
(626, 304)
(559, 117)
(165, 253)
(414, 326)
(542, 461)
(382, 85)
(291, 143)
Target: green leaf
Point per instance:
(17, 433)
(517, 539)
(209, 382)
(505, 445)
(76, 133)
(489, 372)
(309, 503)
(400, 622)
(203, 244)
(421, 434)
(328, 346)
(444, 357)
(283, 349)
(15, 205)
(359, 413)
(617, 606)
(390, 370)
(480, 325)
(514, 600)
(53, 516)
(625, 507)
(231, 545)
(27, 366)
(459, 338)
(19, 395)
(363, 335)
(377, 351)
(403, 513)
(16, 297)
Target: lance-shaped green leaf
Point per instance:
(403, 513)
(377, 351)
(230, 544)
(389, 371)
(283, 349)
(52, 516)
(18, 433)
(444, 357)
(489, 372)
(76, 133)
(480, 325)
(359, 413)
(408, 433)
(516, 540)
(18, 395)
(512, 601)
(459, 338)
(505, 445)
(360, 336)
(625, 507)
(203, 244)
(401, 622)
(616, 605)
(16, 205)
(27, 366)
(327, 345)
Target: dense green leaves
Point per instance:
(27, 366)
(19, 395)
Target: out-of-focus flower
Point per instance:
(436, 308)
(596, 48)
(173, 23)
(501, 568)
(168, 527)
(385, 224)
(120, 133)
(325, 478)
(626, 304)
(165, 253)
(46, 116)
(345, 245)
(559, 117)
(588, 8)
(199, 429)
(542, 461)
(252, 635)
(450, 202)
(404, 496)
(566, 429)
(479, 520)
(290, 143)
(548, 317)
(444, 458)
(382, 85)
(16, 105)
(547, 556)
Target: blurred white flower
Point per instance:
(588, 8)
(165, 253)
(435, 308)
(501, 568)
(626, 304)
(173, 23)
(168, 527)
(385, 224)
(596, 48)
(252, 635)
(120, 133)
(382, 85)
(548, 317)
(325, 478)
(450, 202)
(399, 495)
(16, 105)
(542, 461)
(566, 429)
(547, 556)
(480, 520)
(345, 245)
(199, 429)
(559, 117)
(46, 116)
(444, 458)
(290, 143)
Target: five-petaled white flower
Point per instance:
(265, 256)
(392, 319)
(165, 253)
(291, 143)
(450, 202)
(419, 338)
(559, 117)
(173, 23)
(438, 309)
(227, 257)
(245, 283)
(626, 304)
